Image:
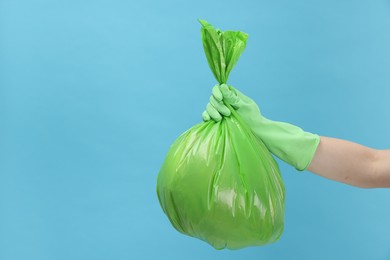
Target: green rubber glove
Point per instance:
(288, 142)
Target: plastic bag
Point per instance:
(219, 183)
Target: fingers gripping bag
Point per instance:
(219, 183)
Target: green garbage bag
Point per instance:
(219, 183)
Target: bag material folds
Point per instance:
(219, 183)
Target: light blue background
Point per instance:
(92, 94)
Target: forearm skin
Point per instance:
(351, 163)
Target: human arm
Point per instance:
(351, 163)
(331, 158)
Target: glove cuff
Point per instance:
(288, 142)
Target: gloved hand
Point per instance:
(288, 142)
